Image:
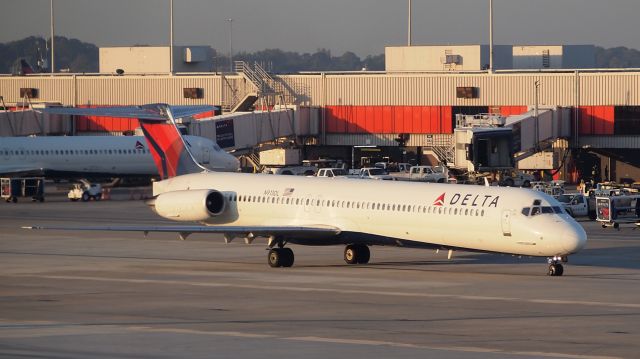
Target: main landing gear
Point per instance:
(555, 266)
(357, 254)
(280, 257)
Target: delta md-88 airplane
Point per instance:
(356, 213)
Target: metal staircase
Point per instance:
(253, 159)
(258, 76)
(446, 154)
(445, 149)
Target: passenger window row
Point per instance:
(71, 152)
(374, 206)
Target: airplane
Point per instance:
(97, 156)
(350, 212)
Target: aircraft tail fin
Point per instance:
(170, 150)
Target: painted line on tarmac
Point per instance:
(20, 330)
(340, 291)
(445, 348)
(365, 342)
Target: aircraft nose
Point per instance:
(574, 239)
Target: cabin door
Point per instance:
(506, 223)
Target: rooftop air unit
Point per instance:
(451, 59)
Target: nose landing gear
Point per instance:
(555, 266)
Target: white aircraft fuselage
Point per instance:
(491, 219)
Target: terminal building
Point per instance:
(407, 112)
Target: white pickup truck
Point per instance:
(517, 179)
(428, 174)
(332, 172)
(577, 205)
(373, 173)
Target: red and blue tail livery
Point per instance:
(169, 149)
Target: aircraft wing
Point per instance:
(147, 112)
(312, 231)
(21, 170)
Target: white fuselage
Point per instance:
(479, 218)
(97, 155)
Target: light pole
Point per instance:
(409, 26)
(490, 36)
(230, 45)
(171, 36)
(53, 59)
(536, 112)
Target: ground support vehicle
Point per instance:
(577, 205)
(428, 174)
(374, 173)
(332, 172)
(612, 211)
(517, 179)
(292, 170)
(85, 191)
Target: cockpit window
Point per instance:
(532, 211)
(217, 147)
(537, 202)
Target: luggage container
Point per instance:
(13, 188)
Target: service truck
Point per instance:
(332, 172)
(576, 204)
(374, 173)
(428, 174)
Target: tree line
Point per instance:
(76, 56)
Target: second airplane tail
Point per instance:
(170, 150)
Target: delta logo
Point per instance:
(139, 145)
(478, 200)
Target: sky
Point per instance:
(362, 26)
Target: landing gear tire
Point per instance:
(357, 254)
(280, 257)
(85, 197)
(287, 257)
(555, 270)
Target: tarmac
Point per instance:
(122, 295)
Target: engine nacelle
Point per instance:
(191, 205)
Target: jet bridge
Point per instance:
(491, 142)
(248, 130)
(531, 136)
